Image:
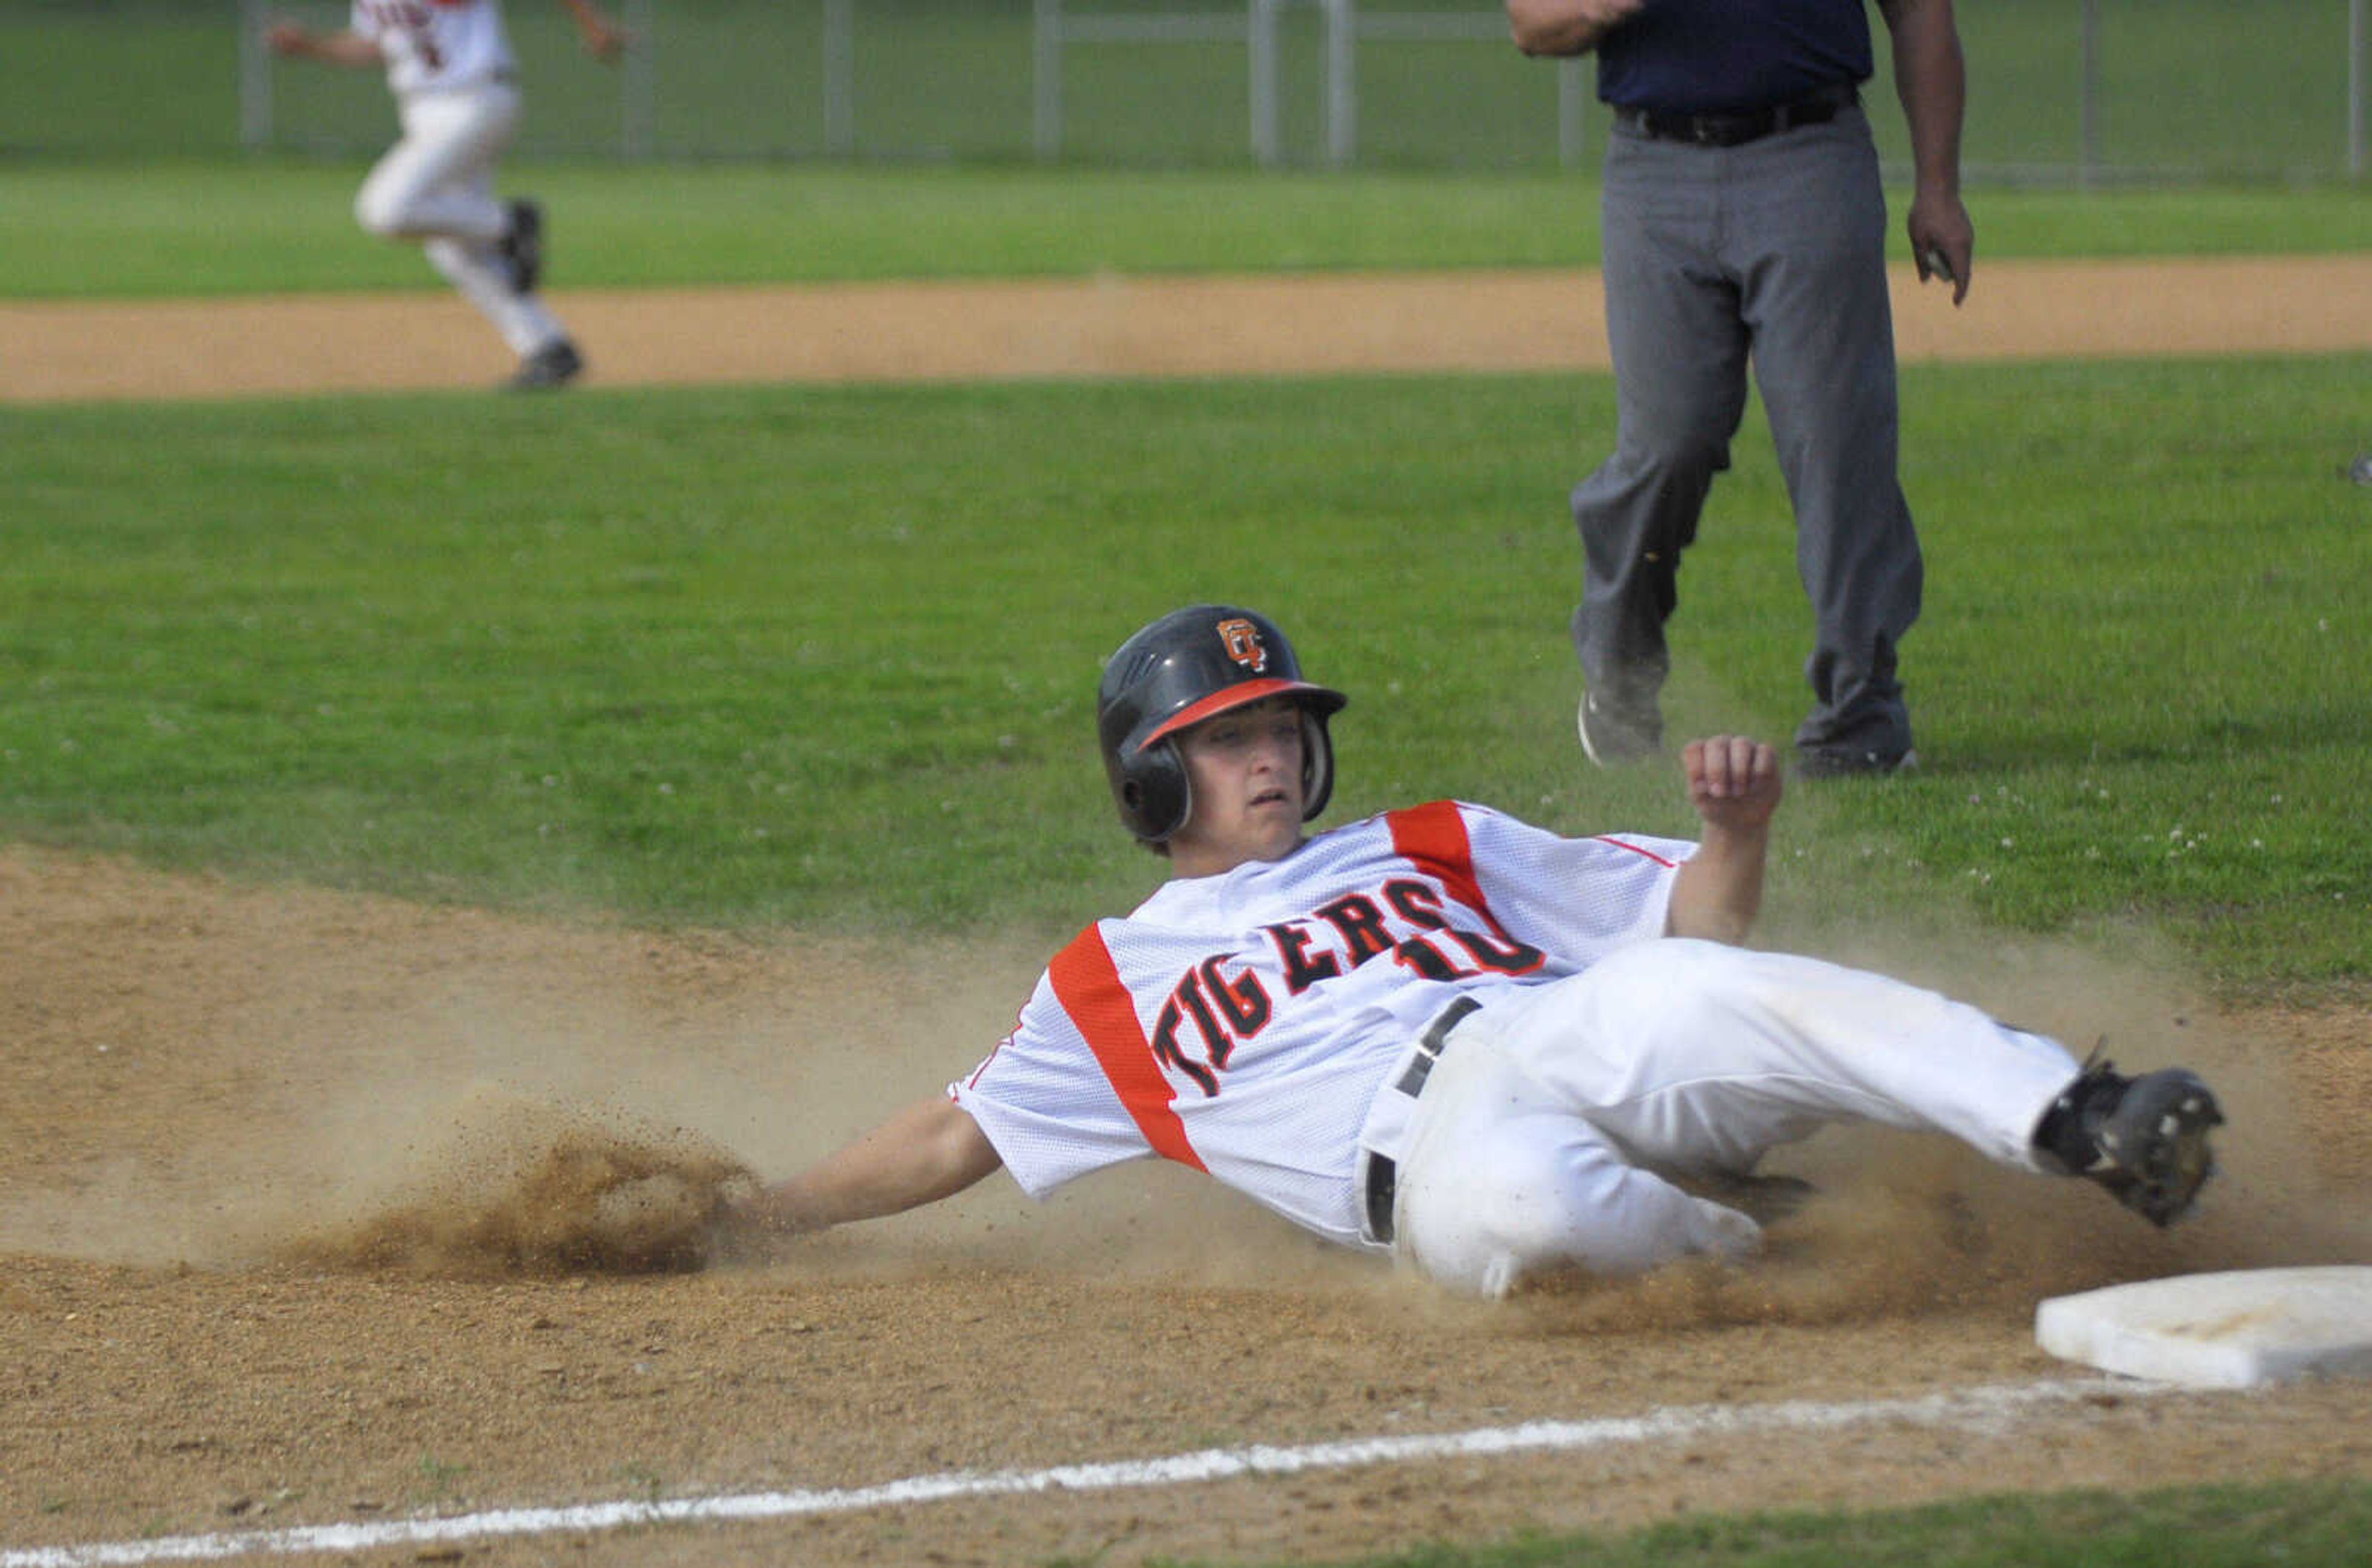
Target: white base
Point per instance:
(2231, 1330)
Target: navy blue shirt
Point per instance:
(1714, 56)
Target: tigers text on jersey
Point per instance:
(1243, 1023)
(437, 45)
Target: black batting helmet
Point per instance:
(1183, 668)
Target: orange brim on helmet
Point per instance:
(1324, 699)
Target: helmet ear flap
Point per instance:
(1155, 792)
(1317, 763)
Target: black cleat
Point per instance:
(1614, 735)
(2143, 1139)
(1765, 1200)
(554, 366)
(522, 247)
(1851, 762)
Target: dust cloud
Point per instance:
(525, 1187)
(279, 1074)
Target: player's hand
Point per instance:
(1734, 783)
(286, 38)
(743, 1232)
(603, 39)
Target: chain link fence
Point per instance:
(2090, 91)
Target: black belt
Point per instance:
(1736, 129)
(1383, 1173)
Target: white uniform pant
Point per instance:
(436, 186)
(1541, 1131)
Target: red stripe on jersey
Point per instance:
(1088, 984)
(1433, 836)
(1635, 849)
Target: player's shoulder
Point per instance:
(1402, 815)
(1496, 825)
(1173, 902)
(1470, 814)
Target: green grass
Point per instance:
(823, 655)
(2187, 87)
(131, 229)
(122, 80)
(2301, 1525)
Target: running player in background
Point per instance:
(455, 80)
(1444, 1035)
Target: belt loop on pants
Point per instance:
(1383, 1182)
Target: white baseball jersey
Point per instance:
(1243, 1023)
(437, 45)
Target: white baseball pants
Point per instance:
(1542, 1129)
(436, 186)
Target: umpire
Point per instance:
(1745, 222)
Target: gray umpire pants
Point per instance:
(1771, 253)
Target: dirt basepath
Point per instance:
(279, 1247)
(1477, 321)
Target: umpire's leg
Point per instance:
(1679, 374)
(1810, 243)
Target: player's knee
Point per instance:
(1618, 1223)
(380, 214)
(1526, 1211)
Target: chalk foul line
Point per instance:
(1991, 1407)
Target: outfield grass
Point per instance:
(2310, 1525)
(2187, 87)
(90, 230)
(824, 657)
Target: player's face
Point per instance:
(1245, 767)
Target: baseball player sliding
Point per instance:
(449, 65)
(1444, 1035)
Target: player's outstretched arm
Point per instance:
(931, 1150)
(1735, 786)
(302, 42)
(604, 40)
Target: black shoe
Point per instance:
(554, 365)
(2143, 1139)
(1615, 734)
(1765, 1200)
(1851, 762)
(522, 247)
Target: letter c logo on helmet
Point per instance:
(1244, 645)
(1185, 667)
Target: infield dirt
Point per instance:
(301, 1205)
(1127, 326)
